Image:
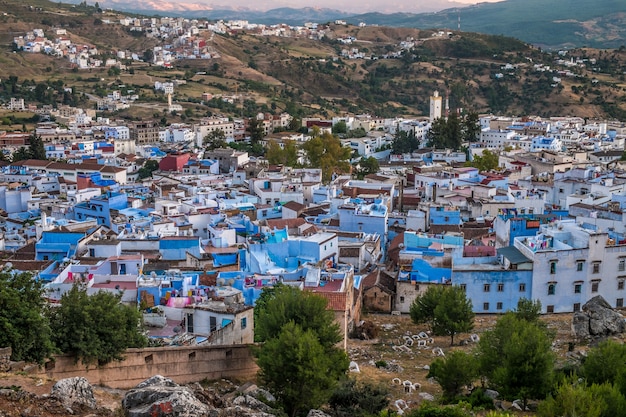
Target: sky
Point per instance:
(351, 6)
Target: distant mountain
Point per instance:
(553, 23)
(546, 23)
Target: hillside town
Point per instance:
(199, 237)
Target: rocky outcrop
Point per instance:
(597, 319)
(160, 396)
(5, 359)
(74, 391)
(317, 413)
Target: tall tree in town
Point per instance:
(298, 360)
(325, 151)
(97, 328)
(256, 130)
(446, 309)
(516, 358)
(36, 148)
(23, 325)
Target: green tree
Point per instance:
(297, 368)
(605, 363)
(256, 130)
(326, 152)
(23, 326)
(299, 359)
(470, 127)
(367, 166)
(516, 358)
(457, 370)
(446, 309)
(21, 154)
(308, 310)
(573, 399)
(97, 328)
(529, 310)
(36, 149)
(215, 139)
(446, 133)
(340, 128)
(363, 399)
(404, 142)
(148, 168)
(485, 162)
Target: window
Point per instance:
(594, 286)
(522, 287)
(485, 306)
(500, 287)
(499, 306)
(244, 322)
(212, 323)
(551, 289)
(401, 299)
(487, 287)
(579, 265)
(189, 320)
(576, 307)
(553, 267)
(578, 288)
(550, 309)
(596, 268)
(45, 257)
(92, 252)
(560, 190)
(464, 287)
(619, 302)
(620, 284)
(622, 265)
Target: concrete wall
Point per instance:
(182, 364)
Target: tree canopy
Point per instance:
(287, 155)
(215, 139)
(486, 162)
(23, 326)
(96, 328)
(457, 370)
(446, 310)
(404, 142)
(299, 360)
(326, 152)
(516, 358)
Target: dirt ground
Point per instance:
(407, 364)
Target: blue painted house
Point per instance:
(56, 245)
(176, 247)
(100, 207)
(495, 284)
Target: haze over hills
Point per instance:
(554, 24)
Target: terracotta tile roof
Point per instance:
(337, 301)
(281, 223)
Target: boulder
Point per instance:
(317, 413)
(74, 391)
(597, 319)
(493, 394)
(426, 396)
(160, 396)
(5, 359)
(249, 401)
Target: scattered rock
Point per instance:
(426, 396)
(493, 394)
(74, 391)
(317, 413)
(597, 319)
(251, 402)
(5, 359)
(162, 397)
